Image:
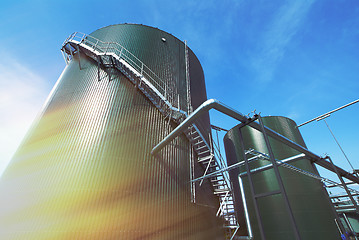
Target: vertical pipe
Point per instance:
(191, 174)
(250, 235)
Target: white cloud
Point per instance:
(22, 93)
(280, 31)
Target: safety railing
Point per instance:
(115, 49)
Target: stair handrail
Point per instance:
(108, 48)
(217, 158)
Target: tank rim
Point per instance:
(270, 116)
(144, 25)
(138, 24)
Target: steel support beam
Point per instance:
(345, 186)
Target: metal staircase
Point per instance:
(211, 164)
(112, 55)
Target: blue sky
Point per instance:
(298, 59)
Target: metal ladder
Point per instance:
(113, 55)
(255, 196)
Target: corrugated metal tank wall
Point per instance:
(309, 201)
(84, 170)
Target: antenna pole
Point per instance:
(325, 115)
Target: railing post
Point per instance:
(120, 52)
(78, 51)
(108, 45)
(83, 36)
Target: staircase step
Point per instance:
(202, 159)
(221, 193)
(201, 147)
(204, 152)
(198, 143)
(195, 138)
(218, 185)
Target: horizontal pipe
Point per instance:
(281, 162)
(260, 169)
(217, 105)
(218, 128)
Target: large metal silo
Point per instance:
(310, 205)
(84, 170)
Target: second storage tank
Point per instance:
(310, 204)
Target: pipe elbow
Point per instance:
(208, 104)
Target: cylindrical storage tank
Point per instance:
(84, 170)
(310, 204)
